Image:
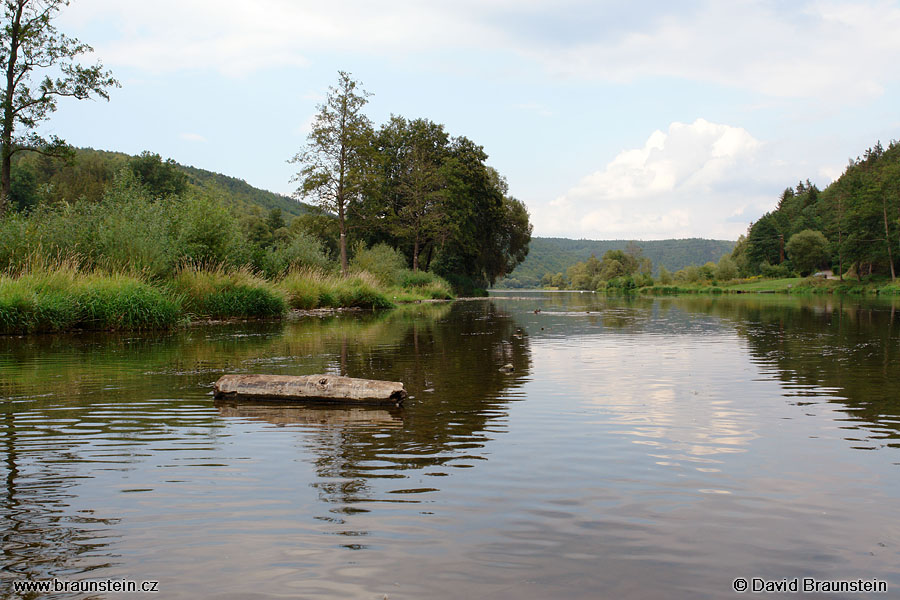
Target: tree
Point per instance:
(161, 178)
(30, 43)
(665, 277)
(415, 154)
(808, 250)
(763, 242)
(335, 159)
(726, 270)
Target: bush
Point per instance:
(387, 264)
(426, 284)
(726, 270)
(207, 232)
(298, 252)
(775, 271)
(665, 277)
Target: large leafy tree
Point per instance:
(31, 45)
(336, 161)
(414, 155)
(808, 250)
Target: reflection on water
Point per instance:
(641, 448)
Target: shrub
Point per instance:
(387, 264)
(297, 252)
(775, 271)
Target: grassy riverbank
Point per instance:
(63, 297)
(788, 285)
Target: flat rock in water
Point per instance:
(310, 388)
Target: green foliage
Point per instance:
(207, 231)
(665, 277)
(857, 214)
(764, 242)
(775, 271)
(160, 178)
(86, 174)
(808, 250)
(437, 201)
(387, 264)
(616, 268)
(726, 269)
(555, 255)
(31, 45)
(298, 251)
(307, 289)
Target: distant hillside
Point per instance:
(241, 190)
(555, 255)
(86, 175)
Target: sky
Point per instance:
(609, 119)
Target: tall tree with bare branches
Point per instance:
(335, 158)
(39, 67)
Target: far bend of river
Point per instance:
(643, 448)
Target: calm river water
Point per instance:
(646, 448)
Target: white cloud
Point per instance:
(193, 137)
(826, 50)
(815, 49)
(685, 182)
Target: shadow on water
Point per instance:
(78, 408)
(842, 349)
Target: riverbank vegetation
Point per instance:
(844, 239)
(99, 240)
(556, 255)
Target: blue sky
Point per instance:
(643, 120)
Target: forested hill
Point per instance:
(555, 255)
(851, 225)
(88, 172)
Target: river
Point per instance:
(642, 448)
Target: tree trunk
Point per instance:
(887, 237)
(428, 256)
(416, 253)
(345, 268)
(343, 241)
(841, 237)
(8, 116)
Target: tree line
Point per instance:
(411, 185)
(629, 269)
(408, 185)
(851, 227)
(554, 256)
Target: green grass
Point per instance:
(308, 288)
(46, 299)
(766, 285)
(227, 293)
(788, 285)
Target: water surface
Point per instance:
(642, 448)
